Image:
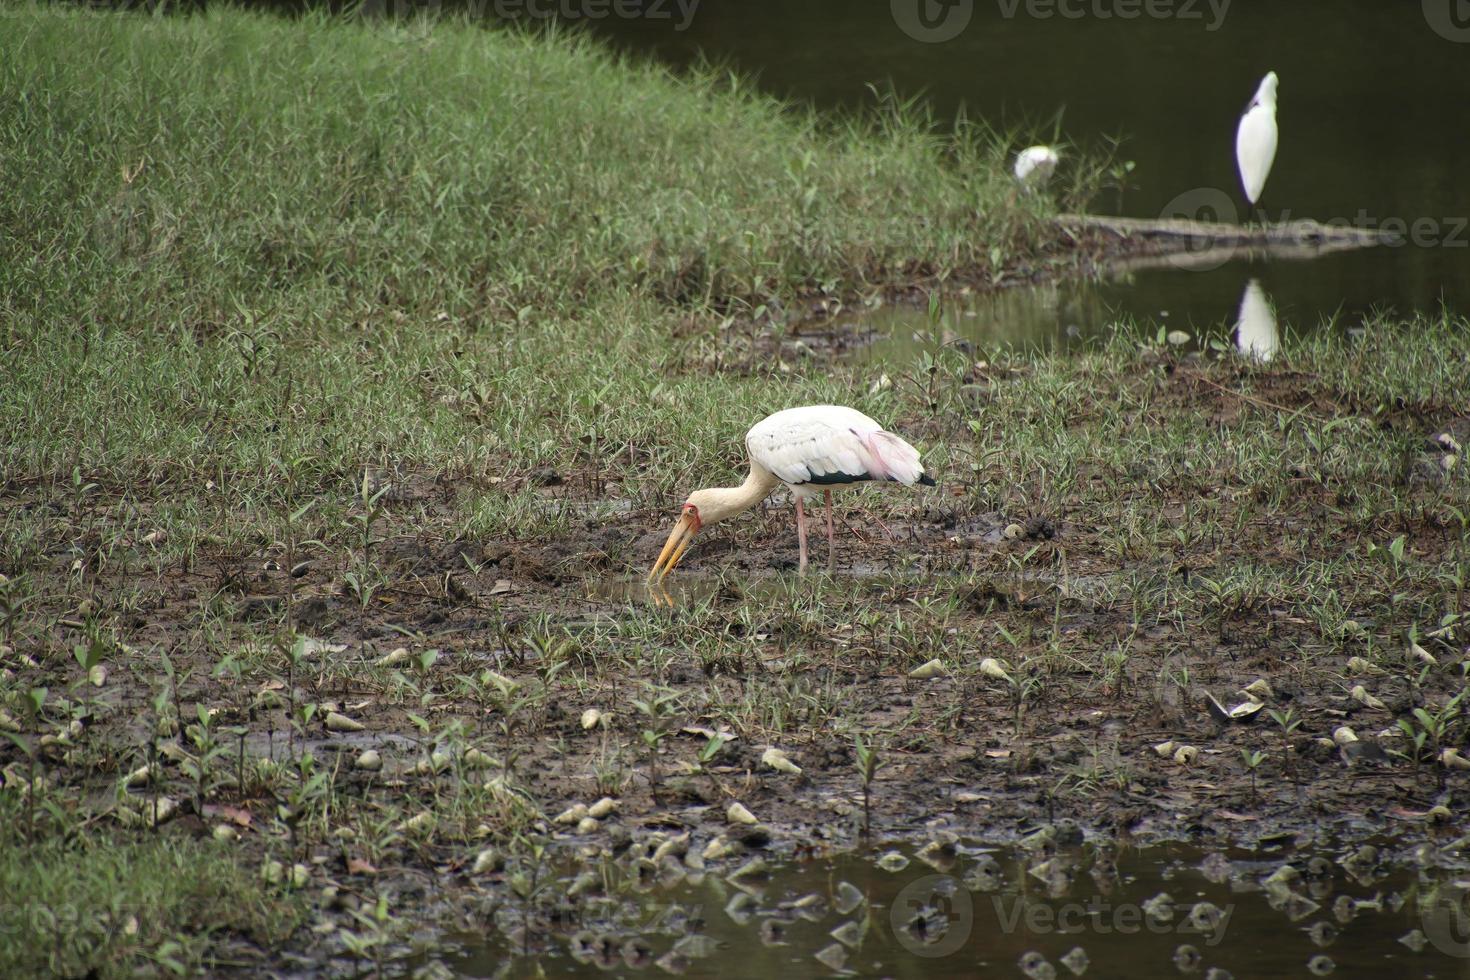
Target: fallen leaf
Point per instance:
(234, 814)
(992, 667)
(341, 723)
(737, 813)
(311, 646)
(1360, 694)
(1240, 714)
(704, 732)
(393, 658)
(778, 761)
(572, 814)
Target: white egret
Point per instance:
(1034, 165)
(812, 450)
(1255, 139)
(1256, 335)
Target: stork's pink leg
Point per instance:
(801, 533)
(831, 540)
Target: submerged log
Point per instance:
(1184, 243)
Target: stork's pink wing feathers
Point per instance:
(897, 457)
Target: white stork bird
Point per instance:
(811, 449)
(1255, 139)
(1034, 165)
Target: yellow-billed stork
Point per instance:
(812, 450)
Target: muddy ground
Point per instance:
(1096, 684)
(1086, 750)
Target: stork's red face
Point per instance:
(684, 531)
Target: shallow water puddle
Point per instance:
(1162, 911)
(1252, 308)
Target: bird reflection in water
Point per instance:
(1256, 334)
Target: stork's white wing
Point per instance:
(830, 444)
(1255, 148)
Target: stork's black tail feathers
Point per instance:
(926, 480)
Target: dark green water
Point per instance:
(1373, 118)
(1335, 919)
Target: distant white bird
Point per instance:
(1256, 334)
(1255, 139)
(812, 449)
(1034, 165)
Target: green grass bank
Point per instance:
(300, 201)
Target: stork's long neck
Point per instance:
(729, 501)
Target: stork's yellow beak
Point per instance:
(679, 538)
